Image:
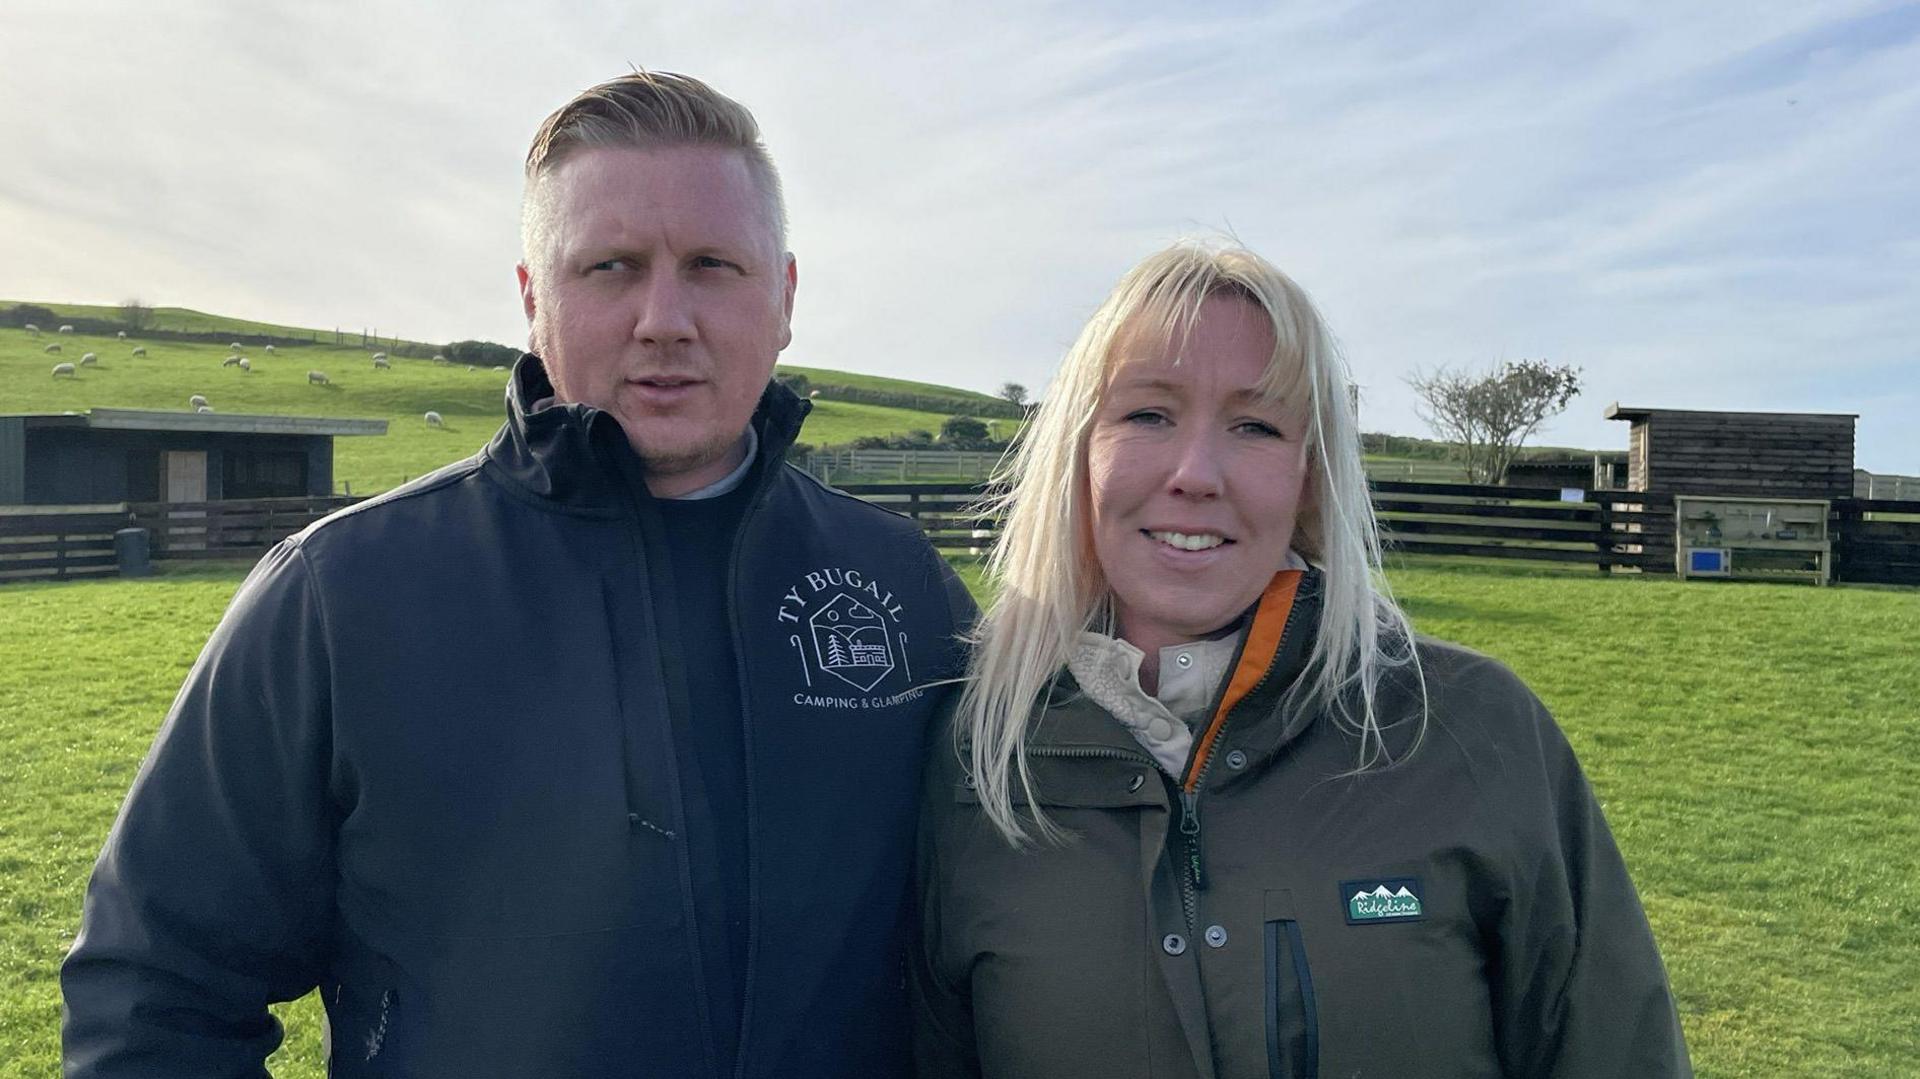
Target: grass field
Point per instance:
(470, 401)
(1757, 748)
(187, 320)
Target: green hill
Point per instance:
(469, 400)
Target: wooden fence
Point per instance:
(63, 541)
(1875, 541)
(67, 541)
(1605, 529)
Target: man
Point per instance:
(595, 754)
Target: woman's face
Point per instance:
(1195, 481)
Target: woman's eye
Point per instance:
(1146, 416)
(1259, 427)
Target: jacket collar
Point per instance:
(1266, 665)
(568, 453)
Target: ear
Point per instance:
(526, 290)
(786, 301)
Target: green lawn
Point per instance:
(1757, 748)
(471, 402)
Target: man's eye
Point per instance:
(612, 264)
(710, 262)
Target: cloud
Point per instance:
(1706, 207)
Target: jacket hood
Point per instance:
(566, 452)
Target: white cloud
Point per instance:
(1708, 207)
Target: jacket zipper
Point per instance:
(1193, 878)
(759, 500)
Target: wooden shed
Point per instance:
(1757, 454)
(109, 455)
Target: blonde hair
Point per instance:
(645, 110)
(1051, 588)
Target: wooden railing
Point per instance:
(1874, 540)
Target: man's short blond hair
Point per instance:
(645, 110)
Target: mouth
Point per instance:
(1186, 541)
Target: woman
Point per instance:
(1214, 810)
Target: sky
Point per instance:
(1699, 205)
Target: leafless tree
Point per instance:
(1488, 415)
(137, 315)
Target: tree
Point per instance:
(965, 433)
(1488, 416)
(137, 315)
(1013, 393)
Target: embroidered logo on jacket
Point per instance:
(845, 630)
(1392, 900)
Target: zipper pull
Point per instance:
(1190, 830)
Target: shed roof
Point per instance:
(1617, 411)
(234, 423)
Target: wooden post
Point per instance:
(1605, 538)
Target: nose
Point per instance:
(1196, 469)
(664, 317)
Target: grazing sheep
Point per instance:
(244, 365)
(67, 370)
(196, 401)
(66, 329)
(230, 361)
(499, 368)
(204, 408)
(89, 359)
(236, 346)
(317, 378)
(433, 418)
(469, 367)
(140, 351)
(378, 356)
(437, 358)
(122, 335)
(380, 364)
(55, 347)
(269, 350)
(32, 329)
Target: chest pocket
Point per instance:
(1292, 1016)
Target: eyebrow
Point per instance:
(1176, 389)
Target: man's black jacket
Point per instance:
(424, 764)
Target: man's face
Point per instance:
(661, 298)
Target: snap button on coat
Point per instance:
(1216, 936)
(1174, 944)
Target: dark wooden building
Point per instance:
(1589, 472)
(1755, 454)
(109, 455)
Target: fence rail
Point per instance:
(1875, 540)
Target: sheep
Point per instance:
(230, 361)
(141, 351)
(235, 347)
(89, 359)
(379, 356)
(269, 350)
(55, 347)
(380, 363)
(122, 335)
(32, 329)
(67, 370)
(196, 401)
(433, 419)
(499, 368)
(317, 378)
(66, 329)
(469, 367)
(244, 365)
(204, 408)
(437, 358)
